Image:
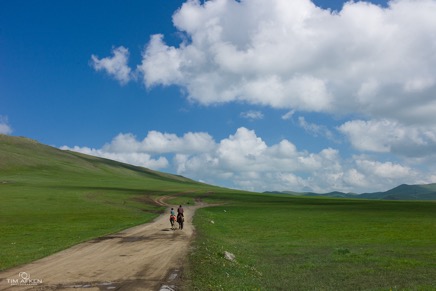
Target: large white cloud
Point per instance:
(157, 142)
(388, 136)
(377, 62)
(291, 54)
(126, 148)
(244, 160)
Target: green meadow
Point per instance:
(296, 243)
(52, 199)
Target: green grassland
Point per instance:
(300, 243)
(52, 199)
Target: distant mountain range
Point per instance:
(402, 192)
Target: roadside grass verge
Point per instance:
(39, 221)
(292, 243)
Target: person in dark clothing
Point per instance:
(180, 210)
(180, 216)
(180, 220)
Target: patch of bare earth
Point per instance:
(146, 257)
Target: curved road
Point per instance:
(146, 257)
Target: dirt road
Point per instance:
(146, 257)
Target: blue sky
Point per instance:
(255, 94)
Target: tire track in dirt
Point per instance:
(146, 257)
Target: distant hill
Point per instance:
(402, 192)
(23, 159)
(406, 192)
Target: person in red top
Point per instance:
(172, 218)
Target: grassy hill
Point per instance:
(402, 192)
(24, 158)
(406, 192)
(52, 199)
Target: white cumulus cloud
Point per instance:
(149, 151)
(157, 142)
(389, 136)
(378, 61)
(244, 160)
(116, 66)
